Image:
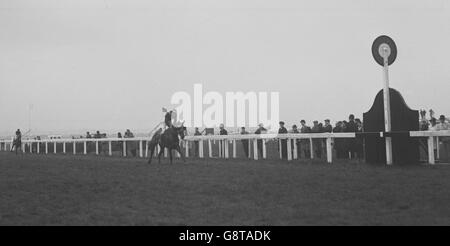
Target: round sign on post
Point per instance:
(384, 52)
(384, 44)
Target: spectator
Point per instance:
(88, 135)
(244, 141)
(327, 127)
(222, 130)
(433, 126)
(128, 134)
(283, 142)
(351, 142)
(97, 136)
(259, 143)
(196, 143)
(339, 143)
(359, 140)
(295, 141)
(131, 146)
(317, 142)
(304, 143)
(442, 125)
(444, 141)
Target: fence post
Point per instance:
(295, 149)
(74, 147)
(249, 149)
(38, 146)
(227, 147)
(46, 147)
(186, 154)
(431, 150)
(109, 148)
(289, 149)
(264, 149)
(220, 149)
(234, 148)
(279, 148)
(200, 150)
(85, 147)
(141, 154)
(64, 147)
(437, 148)
(54, 147)
(146, 149)
(209, 148)
(329, 151)
(96, 147)
(124, 148)
(311, 150)
(255, 149)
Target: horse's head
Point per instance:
(181, 131)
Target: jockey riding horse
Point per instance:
(168, 139)
(17, 142)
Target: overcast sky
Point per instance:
(112, 64)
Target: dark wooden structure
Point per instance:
(405, 150)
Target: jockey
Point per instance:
(170, 119)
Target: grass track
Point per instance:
(89, 190)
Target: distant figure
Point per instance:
(433, 124)
(317, 142)
(304, 143)
(222, 130)
(259, 143)
(17, 142)
(283, 150)
(120, 143)
(339, 143)
(295, 141)
(442, 125)
(197, 143)
(327, 127)
(131, 146)
(128, 134)
(168, 119)
(359, 139)
(88, 135)
(351, 142)
(444, 153)
(98, 135)
(244, 141)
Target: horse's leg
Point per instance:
(152, 151)
(170, 155)
(181, 153)
(160, 153)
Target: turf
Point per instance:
(90, 190)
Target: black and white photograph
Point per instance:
(197, 114)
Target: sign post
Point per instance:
(384, 52)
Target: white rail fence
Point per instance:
(433, 140)
(224, 142)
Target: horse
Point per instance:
(169, 139)
(16, 145)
